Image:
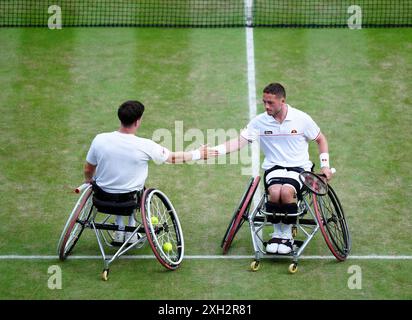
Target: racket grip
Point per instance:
(81, 188)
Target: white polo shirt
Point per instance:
(285, 144)
(122, 160)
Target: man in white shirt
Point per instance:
(284, 134)
(117, 162)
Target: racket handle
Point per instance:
(81, 188)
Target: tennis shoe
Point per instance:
(118, 237)
(134, 238)
(273, 245)
(285, 246)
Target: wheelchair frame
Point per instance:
(167, 229)
(319, 219)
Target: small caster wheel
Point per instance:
(293, 268)
(255, 265)
(294, 231)
(105, 275)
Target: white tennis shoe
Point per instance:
(285, 246)
(134, 238)
(118, 237)
(273, 245)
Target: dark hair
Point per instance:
(129, 112)
(275, 88)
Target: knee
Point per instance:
(287, 194)
(274, 192)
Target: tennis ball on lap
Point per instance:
(167, 247)
(154, 220)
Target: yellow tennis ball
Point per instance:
(154, 220)
(167, 246)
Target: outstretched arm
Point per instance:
(324, 155)
(231, 145)
(183, 156)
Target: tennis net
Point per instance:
(205, 13)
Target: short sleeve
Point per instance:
(250, 133)
(312, 130)
(156, 152)
(91, 154)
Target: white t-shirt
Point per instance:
(285, 144)
(122, 160)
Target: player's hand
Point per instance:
(207, 152)
(327, 172)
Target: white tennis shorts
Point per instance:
(283, 173)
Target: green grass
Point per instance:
(61, 88)
(197, 279)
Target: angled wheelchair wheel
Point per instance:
(241, 214)
(75, 224)
(162, 228)
(332, 223)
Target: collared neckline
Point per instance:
(289, 115)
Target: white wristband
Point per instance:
(324, 160)
(221, 149)
(195, 155)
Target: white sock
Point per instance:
(132, 221)
(119, 221)
(286, 231)
(277, 230)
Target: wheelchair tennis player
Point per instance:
(284, 134)
(117, 162)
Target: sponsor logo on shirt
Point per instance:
(294, 131)
(268, 132)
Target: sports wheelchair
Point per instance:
(317, 200)
(157, 224)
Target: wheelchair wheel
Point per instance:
(332, 223)
(75, 224)
(162, 228)
(240, 215)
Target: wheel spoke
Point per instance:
(75, 224)
(168, 230)
(240, 214)
(334, 224)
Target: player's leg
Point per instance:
(274, 205)
(118, 237)
(132, 223)
(288, 200)
(282, 189)
(288, 197)
(274, 193)
(273, 185)
(287, 194)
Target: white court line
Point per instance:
(208, 257)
